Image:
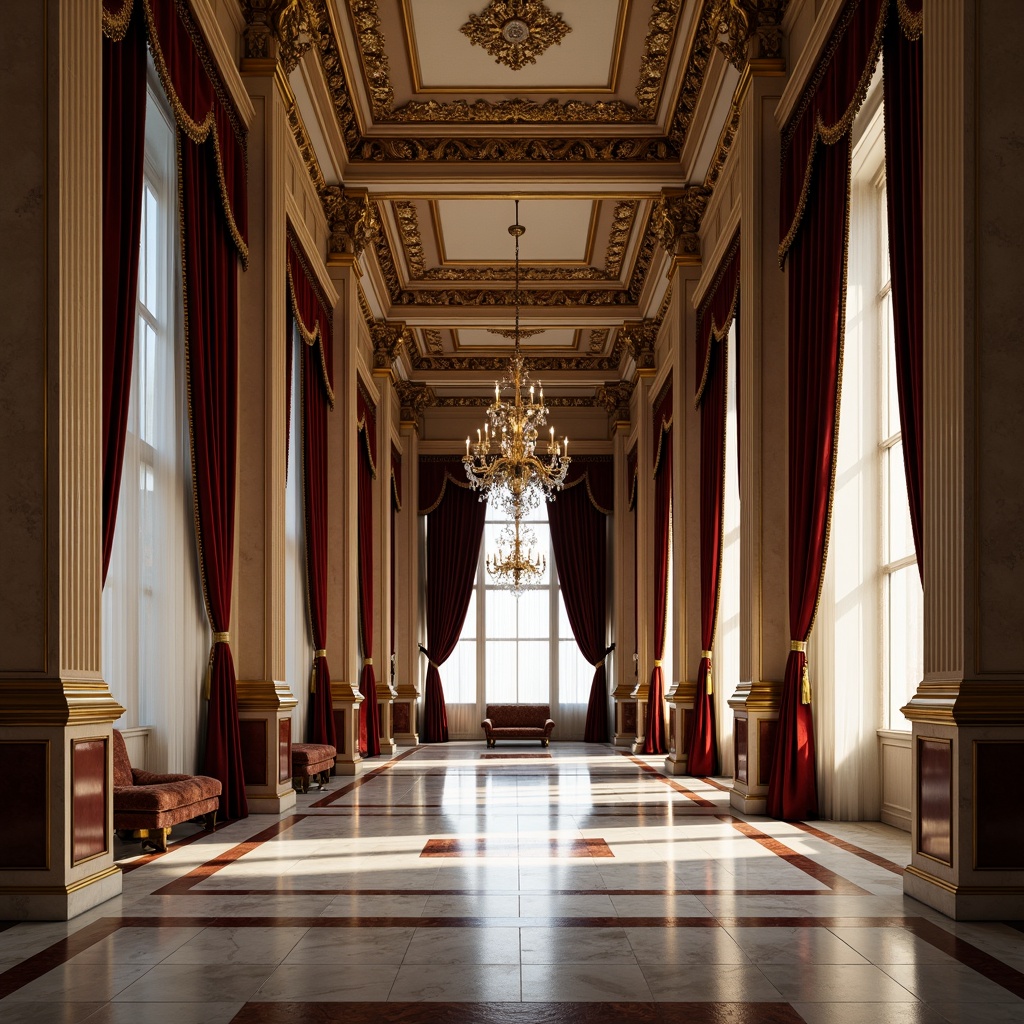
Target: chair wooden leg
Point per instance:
(211, 821)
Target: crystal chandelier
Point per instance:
(519, 565)
(503, 464)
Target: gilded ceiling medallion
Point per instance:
(515, 32)
(511, 334)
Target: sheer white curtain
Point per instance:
(727, 639)
(155, 632)
(845, 653)
(298, 648)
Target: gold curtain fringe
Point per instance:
(394, 491)
(585, 479)
(705, 304)
(911, 22)
(364, 432)
(115, 26)
(310, 338)
(831, 134)
(197, 132)
(448, 479)
(666, 426)
(718, 335)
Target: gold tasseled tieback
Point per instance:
(800, 647)
(657, 662)
(219, 637)
(710, 684)
(320, 652)
(367, 661)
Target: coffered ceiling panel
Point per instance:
(474, 341)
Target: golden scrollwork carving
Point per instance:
(352, 217)
(409, 233)
(614, 396)
(749, 28)
(512, 334)
(724, 147)
(483, 273)
(277, 28)
(413, 398)
(625, 214)
(478, 401)
(693, 75)
(598, 339)
(660, 30)
(306, 151)
(364, 308)
(433, 342)
(639, 338)
(373, 54)
(677, 217)
(388, 337)
(515, 32)
(500, 363)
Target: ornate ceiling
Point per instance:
(422, 120)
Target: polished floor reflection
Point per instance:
(453, 884)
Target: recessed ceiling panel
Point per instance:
(444, 58)
(472, 338)
(476, 230)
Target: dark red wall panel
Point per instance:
(935, 798)
(284, 750)
(998, 821)
(253, 733)
(23, 839)
(88, 799)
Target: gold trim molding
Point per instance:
(56, 702)
(265, 695)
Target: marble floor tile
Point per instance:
(237, 946)
(727, 983)
(868, 1013)
(165, 1013)
(136, 946)
(706, 946)
(199, 983)
(567, 982)
(46, 1013)
(835, 983)
(345, 946)
(427, 983)
(80, 983)
(950, 983)
(325, 983)
(453, 946)
(575, 946)
(789, 945)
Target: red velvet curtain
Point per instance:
(311, 314)
(455, 527)
(714, 319)
(815, 220)
(124, 147)
(654, 731)
(369, 718)
(902, 58)
(212, 211)
(578, 518)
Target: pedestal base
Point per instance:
(60, 903)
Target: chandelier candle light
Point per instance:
(503, 464)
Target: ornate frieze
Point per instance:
(598, 340)
(677, 217)
(433, 342)
(409, 232)
(352, 218)
(388, 337)
(615, 396)
(639, 338)
(277, 28)
(499, 364)
(618, 237)
(373, 54)
(515, 32)
(413, 399)
(749, 29)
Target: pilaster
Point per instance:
(265, 701)
(56, 711)
(967, 852)
(343, 538)
(686, 272)
(763, 427)
(623, 582)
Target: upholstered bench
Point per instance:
(518, 722)
(147, 805)
(311, 761)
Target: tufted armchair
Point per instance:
(147, 805)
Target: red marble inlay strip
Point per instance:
(513, 847)
(857, 851)
(148, 858)
(717, 785)
(517, 1013)
(284, 888)
(182, 885)
(825, 875)
(53, 956)
(362, 780)
(700, 801)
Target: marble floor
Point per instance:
(458, 884)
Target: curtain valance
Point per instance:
(716, 313)
(437, 474)
(662, 420)
(366, 424)
(311, 313)
(595, 474)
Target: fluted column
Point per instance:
(967, 852)
(763, 418)
(686, 272)
(265, 701)
(623, 581)
(413, 398)
(56, 847)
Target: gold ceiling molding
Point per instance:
(625, 214)
(388, 337)
(725, 141)
(373, 55)
(500, 363)
(516, 32)
(511, 335)
(413, 398)
(306, 151)
(409, 233)
(660, 31)
(640, 338)
(364, 308)
(598, 340)
(482, 274)
(478, 401)
(693, 77)
(433, 342)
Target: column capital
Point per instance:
(614, 396)
(388, 337)
(749, 29)
(640, 337)
(677, 217)
(413, 399)
(277, 30)
(353, 220)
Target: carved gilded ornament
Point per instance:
(433, 342)
(413, 398)
(482, 401)
(598, 340)
(352, 218)
(640, 338)
(625, 214)
(614, 396)
(677, 217)
(515, 32)
(511, 335)
(278, 28)
(388, 339)
(749, 28)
